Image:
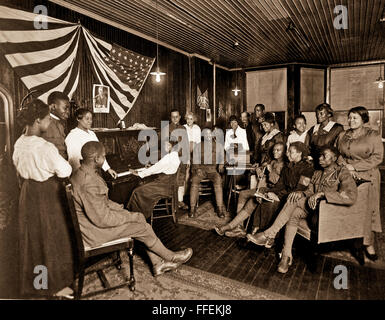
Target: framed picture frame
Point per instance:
(208, 115)
(101, 98)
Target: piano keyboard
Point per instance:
(126, 173)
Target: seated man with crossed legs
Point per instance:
(102, 220)
(333, 183)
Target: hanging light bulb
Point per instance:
(381, 85)
(157, 73)
(236, 91)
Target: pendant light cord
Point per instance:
(157, 38)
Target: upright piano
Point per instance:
(122, 148)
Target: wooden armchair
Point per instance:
(86, 257)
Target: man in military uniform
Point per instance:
(207, 163)
(333, 183)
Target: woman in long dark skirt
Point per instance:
(45, 252)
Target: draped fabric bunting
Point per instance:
(124, 71)
(48, 60)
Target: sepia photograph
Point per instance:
(203, 157)
(101, 98)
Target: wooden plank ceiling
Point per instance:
(211, 27)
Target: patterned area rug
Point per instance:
(206, 217)
(186, 283)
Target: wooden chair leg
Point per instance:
(173, 209)
(117, 260)
(247, 222)
(103, 279)
(130, 253)
(229, 194)
(79, 290)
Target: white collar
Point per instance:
(53, 116)
(327, 128)
(299, 135)
(269, 135)
(81, 130)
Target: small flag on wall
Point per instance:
(202, 99)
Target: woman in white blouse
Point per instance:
(76, 139)
(194, 137)
(193, 130)
(44, 238)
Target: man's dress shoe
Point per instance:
(163, 267)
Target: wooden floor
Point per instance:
(233, 258)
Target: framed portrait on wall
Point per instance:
(101, 98)
(208, 115)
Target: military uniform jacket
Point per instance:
(336, 183)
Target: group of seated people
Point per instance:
(323, 163)
(293, 174)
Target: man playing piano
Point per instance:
(102, 220)
(145, 196)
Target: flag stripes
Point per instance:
(48, 60)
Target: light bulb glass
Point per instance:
(236, 92)
(157, 78)
(381, 85)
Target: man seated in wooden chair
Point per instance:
(333, 183)
(207, 163)
(102, 220)
(159, 180)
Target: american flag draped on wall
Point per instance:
(48, 60)
(124, 71)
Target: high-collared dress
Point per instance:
(75, 140)
(44, 236)
(266, 145)
(365, 152)
(294, 137)
(323, 137)
(238, 137)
